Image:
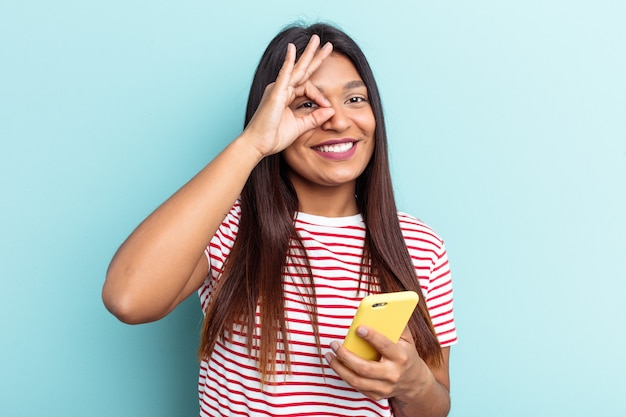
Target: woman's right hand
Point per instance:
(275, 125)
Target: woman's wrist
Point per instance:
(428, 397)
(245, 147)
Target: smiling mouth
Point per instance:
(336, 148)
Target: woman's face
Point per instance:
(335, 153)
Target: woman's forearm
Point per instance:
(160, 262)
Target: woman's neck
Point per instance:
(338, 201)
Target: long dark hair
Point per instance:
(253, 273)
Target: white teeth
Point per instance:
(337, 148)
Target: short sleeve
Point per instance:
(217, 252)
(439, 299)
(430, 259)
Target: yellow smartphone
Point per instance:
(386, 313)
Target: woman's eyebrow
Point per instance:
(353, 84)
(350, 85)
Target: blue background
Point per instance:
(508, 136)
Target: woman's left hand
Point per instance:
(399, 373)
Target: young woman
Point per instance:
(282, 235)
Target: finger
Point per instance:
(369, 385)
(310, 60)
(312, 92)
(286, 70)
(306, 58)
(315, 118)
(385, 346)
(339, 360)
(353, 362)
(319, 57)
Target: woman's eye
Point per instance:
(357, 99)
(307, 105)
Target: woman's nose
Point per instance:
(339, 121)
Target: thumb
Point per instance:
(316, 118)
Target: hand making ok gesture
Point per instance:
(274, 125)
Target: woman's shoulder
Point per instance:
(230, 224)
(414, 229)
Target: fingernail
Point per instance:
(329, 357)
(361, 331)
(334, 346)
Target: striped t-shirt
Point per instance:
(229, 383)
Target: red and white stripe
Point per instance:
(229, 383)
